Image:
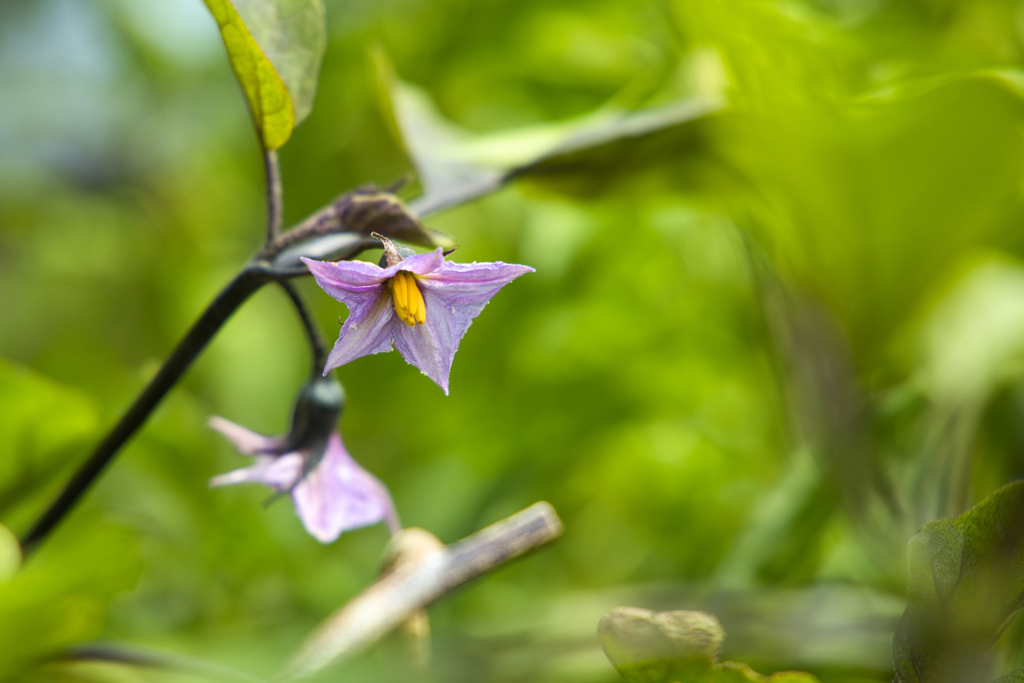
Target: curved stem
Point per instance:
(275, 195)
(323, 222)
(194, 341)
(316, 340)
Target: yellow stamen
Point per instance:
(409, 304)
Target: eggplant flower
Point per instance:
(420, 303)
(335, 495)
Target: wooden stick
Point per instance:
(413, 585)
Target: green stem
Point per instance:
(275, 195)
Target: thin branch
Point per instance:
(275, 195)
(151, 659)
(278, 260)
(230, 298)
(316, 341)
(410, 587)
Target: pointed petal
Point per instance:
(432, 345)
(340, 495)
(471, 282)
(454, 295)
(245, 440)
(368, 329)
(280, 473)
(350, 282)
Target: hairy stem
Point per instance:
(194, 341)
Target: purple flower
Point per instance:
(336, 495)
(421, 303)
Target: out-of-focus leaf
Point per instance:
(974, 337)
(10, 554)
(661, 647)
(966, 580)
(656, 647)
(275, 48)
(60, 598)
(958, 139)
(455, 165)
(1012, 677)
(41, 420)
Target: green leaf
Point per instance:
(61, 597)
(1012, 677)
(10, 554)
(455, 165)
(43, 422)
(966, 581)
(973, 339)
(275, 48)
(662, 647)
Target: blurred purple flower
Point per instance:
(335, 496)
(421, 303)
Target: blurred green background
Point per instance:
(760, 348)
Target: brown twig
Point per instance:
(411, 586)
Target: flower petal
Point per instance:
(280, 473)
(454, 295)
(472, 281)
(347, 281)
(368, 329)
(339, 495)
(245, 440)
(432, 345)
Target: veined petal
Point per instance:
(245, 440)
(472, 281)
(340, 495)
(280, 473)
(454, 296)
(350, 282)
(369, 329)
(432, 345)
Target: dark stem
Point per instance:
(230, 298)
(116, 654)
(324, 222)
(275, 195)
(316, 341)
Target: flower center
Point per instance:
(409, 304)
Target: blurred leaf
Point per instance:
(974, 337)
(10, 554)
(965, 584)
(61, 597)
(456, 166)
(275, 48)
(661, 647)
(848, 165)
(42, 419)
(1012, 677)
(657, 647)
